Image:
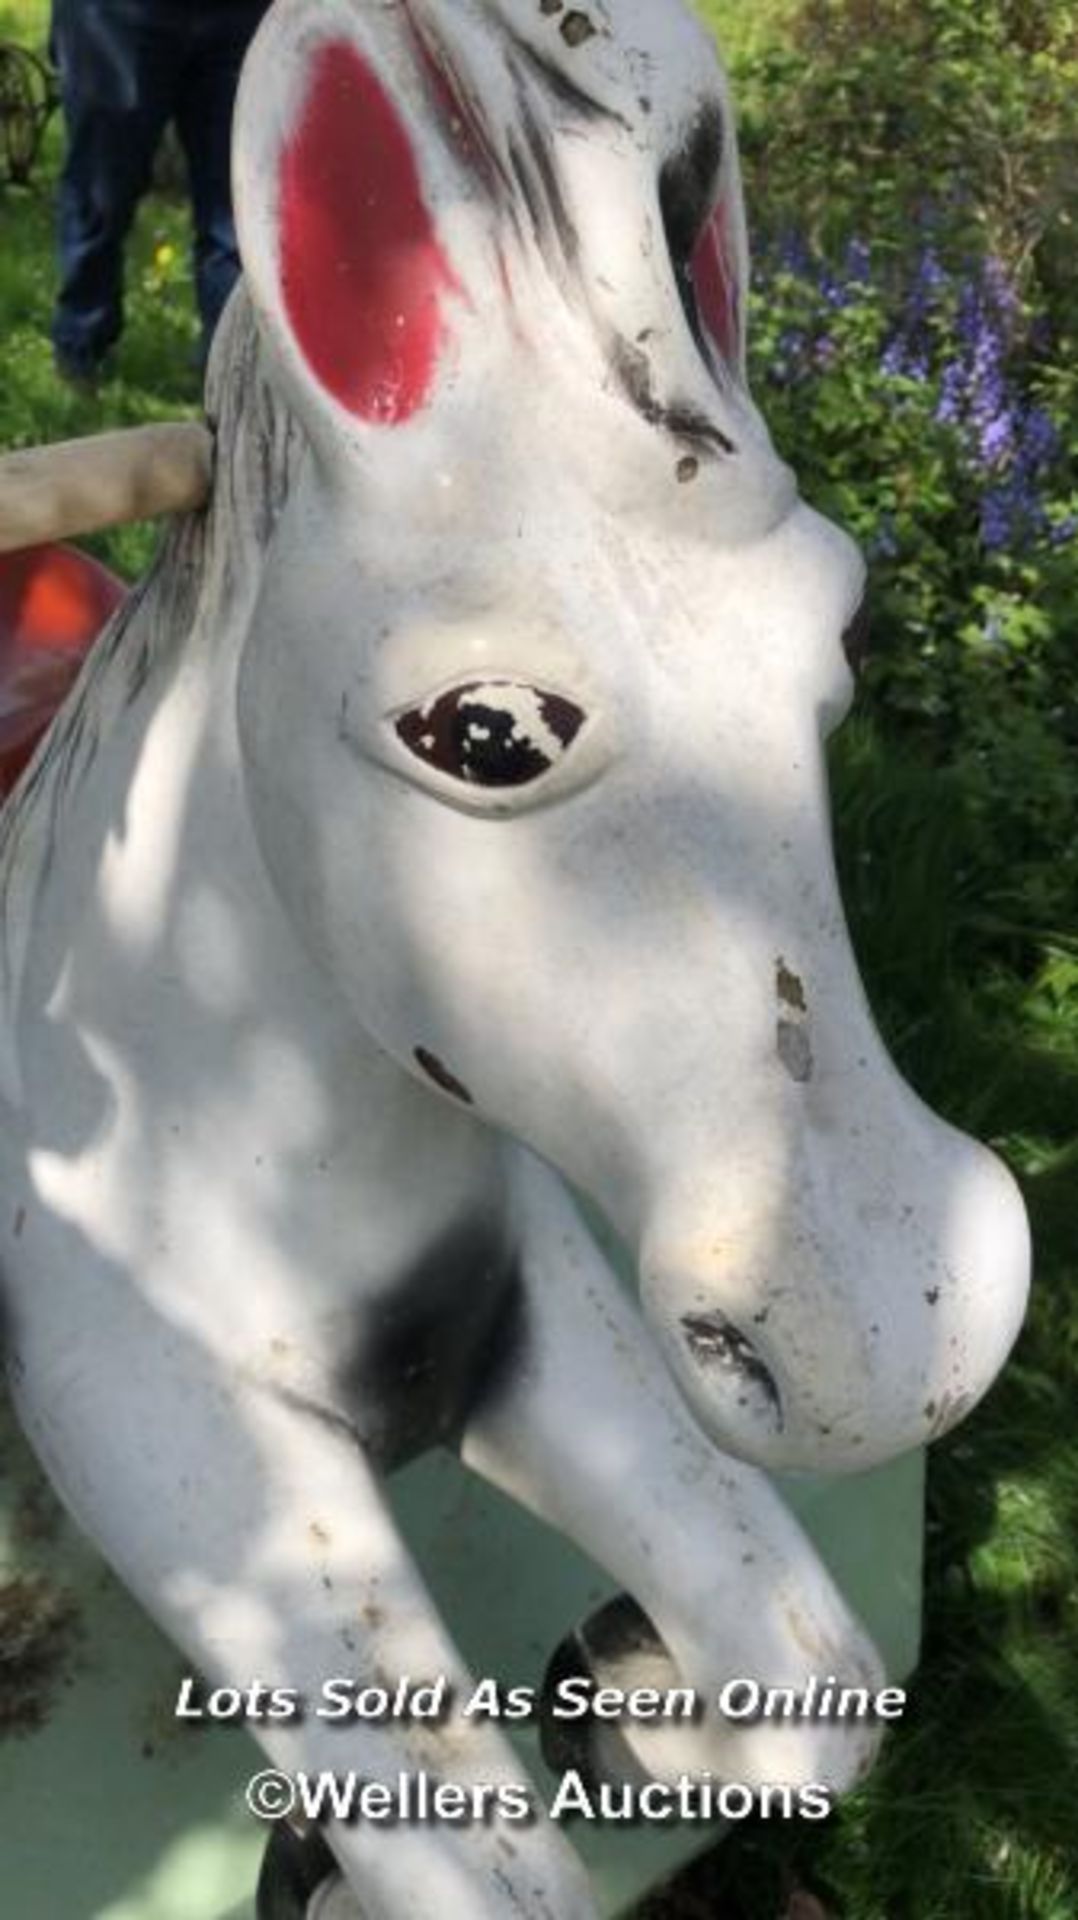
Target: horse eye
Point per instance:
(491, 733)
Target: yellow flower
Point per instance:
(164, 255)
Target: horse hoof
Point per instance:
(298, 1875)
(616, 1646)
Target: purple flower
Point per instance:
(959, 335)
(996, 439)
(1040, 438)
(949, 407)
(793, 254)
(996, 519)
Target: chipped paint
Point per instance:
(577, 28)
(794, 1049)
(437, 1071)
(789, 987)
(714, 1341)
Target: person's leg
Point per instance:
(220, 39)
(116, 81)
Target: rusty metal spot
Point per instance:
(576, 28)
(789, 987)
(442, 1077)
(795, 1051)
(39, 1632)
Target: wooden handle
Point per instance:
(80, 486)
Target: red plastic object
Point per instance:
(53, 603)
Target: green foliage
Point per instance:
(911, 173)
(975, 567)
(869, 109)
(744, 32)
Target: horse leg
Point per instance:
(589, 1432)
(255, 1531)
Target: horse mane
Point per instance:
(197, 586)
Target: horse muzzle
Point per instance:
(832, 1339)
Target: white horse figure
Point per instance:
(445, 818)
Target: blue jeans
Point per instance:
(128, 67)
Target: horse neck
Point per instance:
(166, 662)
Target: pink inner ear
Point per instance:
(362, 273)
(714, 276)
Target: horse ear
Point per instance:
(348, 157)
(719, 271)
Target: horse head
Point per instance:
(534, 699)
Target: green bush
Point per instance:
(908, 397)
(870, 110)
(911, 181)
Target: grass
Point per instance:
(970, 1814)
(153, 377)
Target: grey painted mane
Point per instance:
(201, 577)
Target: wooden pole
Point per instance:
(80, 486)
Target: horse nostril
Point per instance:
(715, 1342)
(857, 638)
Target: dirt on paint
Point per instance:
(40, 1630)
